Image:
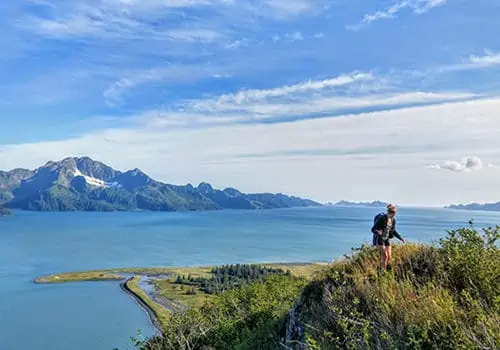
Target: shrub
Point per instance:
(246, 318)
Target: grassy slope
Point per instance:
(174, 292)
(445, 297)
(435, 297)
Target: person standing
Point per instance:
(385, 229)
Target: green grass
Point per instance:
(175, 292)
(306, 270)
(114, 274)
(80, 277)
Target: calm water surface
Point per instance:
(97, 315)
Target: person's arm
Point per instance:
(396, 233)
(398, 236)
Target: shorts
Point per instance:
(383, 242)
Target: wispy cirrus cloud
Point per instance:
(474, 62)
(168, 73)
(418, 7)
(314, 98)
(256, 95)
(286, 8)
(108, 18)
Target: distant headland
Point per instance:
(476, 206)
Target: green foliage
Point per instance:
(472, 263)
(250, 317)
(229, 277)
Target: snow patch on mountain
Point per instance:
(93, 181)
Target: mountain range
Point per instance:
(374, 204)
(476, 206)
(83, 184)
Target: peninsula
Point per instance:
(162, 291)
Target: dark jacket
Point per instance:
(381, 225)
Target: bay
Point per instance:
(98, 315)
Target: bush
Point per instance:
(250, 317)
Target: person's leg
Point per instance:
(382, 255)
(388, 255)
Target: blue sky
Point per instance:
(344, 99)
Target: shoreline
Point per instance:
(158, 307)
(153, 317)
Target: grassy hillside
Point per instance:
(435, 297)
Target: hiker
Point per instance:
(385, 228)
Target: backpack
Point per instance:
(375, 220)
(377, 217)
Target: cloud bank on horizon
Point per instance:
(329, 100)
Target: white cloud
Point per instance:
(422, 6)
(236, 44)
(256, 95)
(295, 36)
(169, 73)
(132, 18)
(74, 26)
(194, 35)
(285, 8)
(112, 19)
(490, 59)
(466, 165)
(382, 154)
(313, 97)
(307, 106)
(318, 35)
(418, 7)
(473, 62)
